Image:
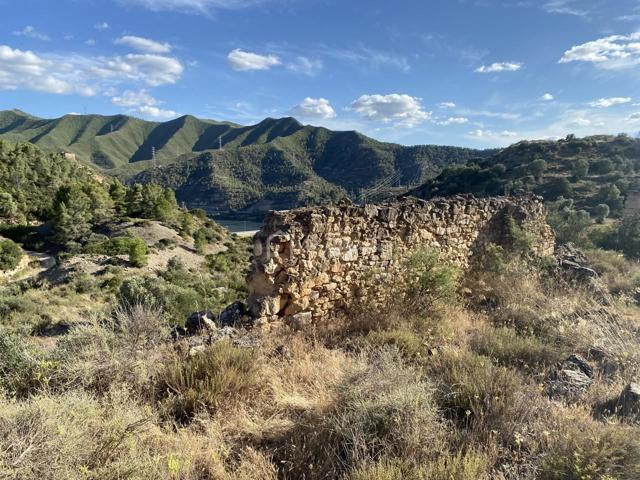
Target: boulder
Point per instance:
(573, 376)
(629, 402)
(198, 322)
(232, 315)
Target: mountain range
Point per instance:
(224, 167)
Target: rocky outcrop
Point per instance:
(312, 261)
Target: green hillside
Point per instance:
(275, 163)
(591, 171)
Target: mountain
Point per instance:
(277, 163)
(588, 170)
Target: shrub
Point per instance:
(177, 302)
(200, 241)
(18, 368)
(220, 375)
(507, 348)
(485, 399)
(629, 236)
(10, 255)
(138, 252)
(428, 280)
(517, 239)
(408, 343)
(587, 450)
(601, 212)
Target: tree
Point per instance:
(602, 211)
(72, 215)
(610, 194)
(200, 241)
(629, 236)
(10, 255)
(138, 252)
(561, 188)
(580, 169)
(537, 168)
(118, 193)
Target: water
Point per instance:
(239, 226)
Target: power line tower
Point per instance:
(220, 143)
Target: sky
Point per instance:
(477, 73)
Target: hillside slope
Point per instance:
(277, 162)
(593, 170)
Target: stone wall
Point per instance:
(310, 262)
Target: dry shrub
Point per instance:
(585, 450)
(507, 348)
(621, 275)
(381, 408)
(460, 466)
(221, 374)
(141, 322)
(487, 400)
(96, 357)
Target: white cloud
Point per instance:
(609, 102)
(242, 61)
(403, 110)
(316, 108)
(547, 97)
(580, 122)
(130, 98)
(191, 6)
(489, 133)
(447, 105)
(306, 66)
(91, 42)
(102, 26)
(634, 116)
(500, 67)
(613, 52)
(454, 121)
(371, 58)
(30, 32)
(142, 44)
(84, 75)
(154, 70)
(564, 6)
(156, 113)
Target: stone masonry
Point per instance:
(311, 262)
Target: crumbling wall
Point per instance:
(310, 262)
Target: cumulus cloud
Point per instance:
(453, 121)
(30, 32)
(447, 105)
(613, 52)
(142, 44)
(401, 109)
(156, 113)
(80, 74)
(130, 98)
(315, 108)
(102, 26)
(609, 102)
(634, 116)
(242, 61)
(547, 97)
(305, 66)
(500, 67)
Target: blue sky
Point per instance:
(477, 73)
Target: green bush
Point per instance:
(208, 380)
(10, 255)
(138, 252)
(629, 236)
(601, 212)
(428, 280)
(176, 301)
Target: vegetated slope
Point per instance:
(585, 170)
(275, 162)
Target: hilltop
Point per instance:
(585, 170)
(277, 162)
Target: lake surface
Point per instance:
(238, 226)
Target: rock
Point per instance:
(282, 351)
(572, 378)
(301, 320)
(579, 364)
(199, 321)
(197, 350)
(629, 402)
(232, 316)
